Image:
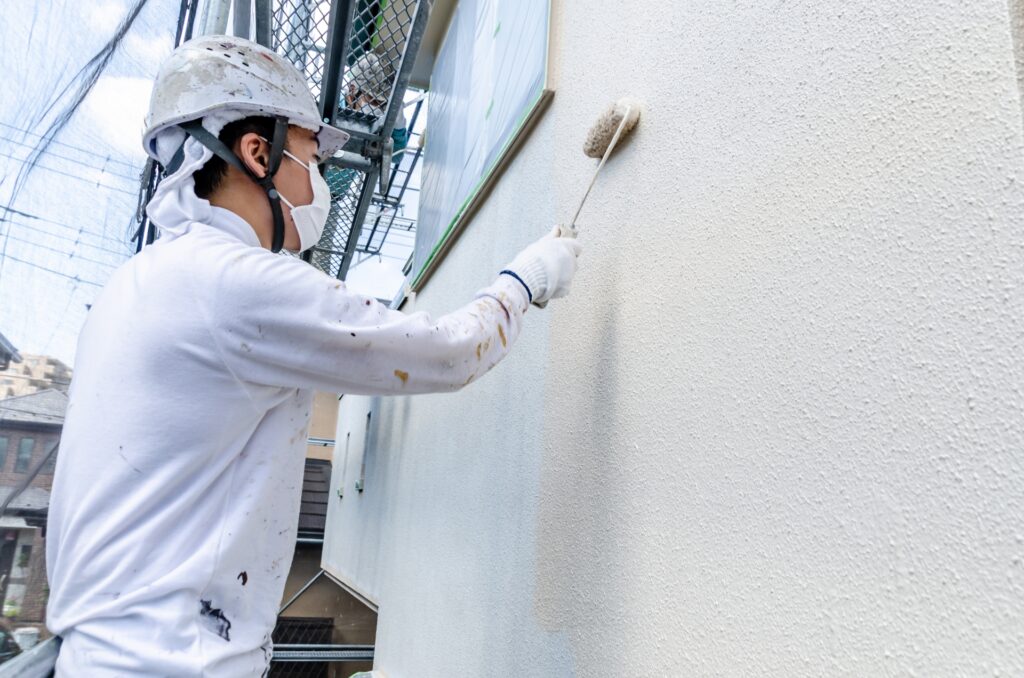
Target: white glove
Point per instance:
(547, 266)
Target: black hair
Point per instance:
(209, 177)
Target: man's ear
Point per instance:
(254, 153)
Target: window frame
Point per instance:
(50, 467)
(19, 457)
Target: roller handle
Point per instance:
(571, 231)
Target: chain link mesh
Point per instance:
(379, 32)
(300, 35)
(376, 46)
(346, 188)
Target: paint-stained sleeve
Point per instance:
(279, 322)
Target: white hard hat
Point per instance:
(369, 76)
(217, 72)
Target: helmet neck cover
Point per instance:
(195, 129)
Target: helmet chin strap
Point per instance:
(195, 129)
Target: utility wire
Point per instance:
(77, 229)
(85, 78)
(63, 316)
(76, 243)
(107, 159)
(125, 253)
(27, 480)
(75, 160)
(69, 255)
(67, 174)
(50, 270)
(61, 143)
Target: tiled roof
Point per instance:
(31, 499)
(44, 407)
(316, 487)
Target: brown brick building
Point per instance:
(30, 427)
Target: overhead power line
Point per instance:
(50, 270)
(71, 176)
(69, 255)
(77, 229)
(61, 106)
(73, 242)
(61, 143)
(79, 161)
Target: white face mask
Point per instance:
(310, 219)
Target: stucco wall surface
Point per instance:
(777, 428)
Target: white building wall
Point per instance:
(777, 429)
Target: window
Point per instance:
(25, 447)
(3, 451)
(51, 463)
(473, 142)
(24, 556)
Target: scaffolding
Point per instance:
(325, 39)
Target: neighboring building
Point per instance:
(8, 354)
(33, 373)
(30, 428)
(776, 428)
(317, 611)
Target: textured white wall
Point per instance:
(777, 429)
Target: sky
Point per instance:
(82, 195)
(76, 209)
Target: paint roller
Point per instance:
(616, 122)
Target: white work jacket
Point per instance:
(175, 503)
